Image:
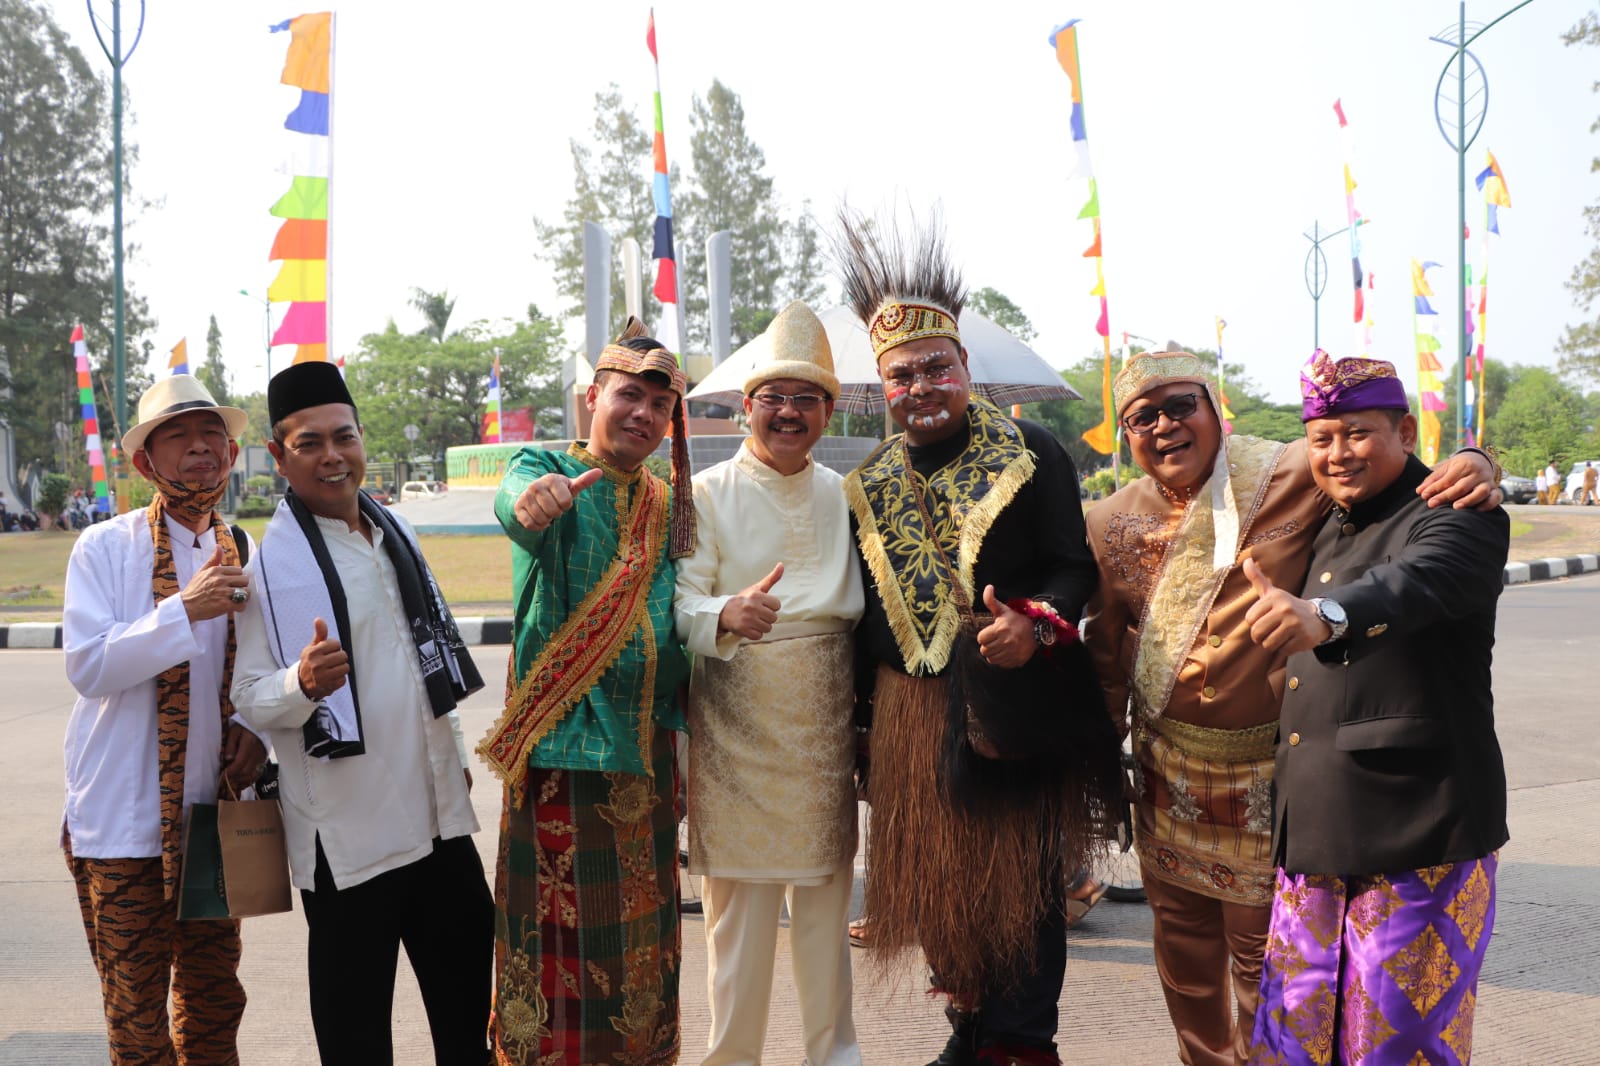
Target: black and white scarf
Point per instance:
(299, 584)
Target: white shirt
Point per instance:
(749, 518)
(382, 809)
(117, 642)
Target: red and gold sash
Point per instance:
(584, 647)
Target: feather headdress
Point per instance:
(900, 282)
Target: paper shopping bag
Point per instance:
(235, 861)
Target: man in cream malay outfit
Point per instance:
(767, 603)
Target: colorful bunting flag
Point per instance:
(1430, 386)
(302, 243)
(1363, 325)
(91, 423)
(1495, 196)
(491, 433)
(1222, 390)
(666, 287)
(179, 362)
(1064, 40)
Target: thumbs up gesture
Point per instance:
(1008, 641)
(1281, 621)
(752, 613)
(552, 496)
(209, 594)
(323, 664)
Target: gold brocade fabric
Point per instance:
(772, 760)
(963, 498)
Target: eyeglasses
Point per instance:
(1177, 408)
(800, 401)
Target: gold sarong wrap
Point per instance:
(772, 760)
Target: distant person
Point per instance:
(352, 663)
(148, 632)
(1390, 798)
(1553, 482)
(1541, 487)
(8, 521)
(1590, 477)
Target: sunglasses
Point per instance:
(1177, 408)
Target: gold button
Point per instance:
(1294, 682)
(1326, 576)
(1208, 692)
(1215, 641)
(1378, 630)
(1294, 740)
(1348, 529)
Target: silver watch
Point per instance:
(1333, 614)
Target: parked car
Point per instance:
(422, 490)
(380, 494)
(1518, 489)
(1574, 491)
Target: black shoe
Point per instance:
(961, 1049)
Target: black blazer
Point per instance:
(1387, 757)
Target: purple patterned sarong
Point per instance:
(1375, 970)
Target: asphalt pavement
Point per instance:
(1539, 996)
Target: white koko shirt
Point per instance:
(117, 641)
(379, 810)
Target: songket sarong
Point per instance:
(586, 935)
(771, 766)
(1375, 970)
(1205, 807)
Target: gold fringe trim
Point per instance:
(975, 526)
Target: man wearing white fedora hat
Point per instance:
(148, 635)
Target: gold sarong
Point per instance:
(771, 761)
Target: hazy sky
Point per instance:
(1210, 125)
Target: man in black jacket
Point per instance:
(1390, 791)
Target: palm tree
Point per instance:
(436, 308)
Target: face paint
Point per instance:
(896, 396)
(932, 421)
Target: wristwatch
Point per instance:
(1333, 614)
(1044, 632)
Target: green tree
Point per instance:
(1538, 419)
(441, 387)
(55, 205)
(1580, 345)
(436, 308)
(611, 189)
(997, 307)
(1497, 379)
(213, 374)
(773, 260)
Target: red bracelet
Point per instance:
(1049, 627)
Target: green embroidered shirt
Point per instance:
(552, 571)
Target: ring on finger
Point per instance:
(239, 595)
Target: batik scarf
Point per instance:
(188, 503)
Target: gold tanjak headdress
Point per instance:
(902, 286)
(1151, 370)
(800, 351)
(633, 352)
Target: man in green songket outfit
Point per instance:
(586, 926)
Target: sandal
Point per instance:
(1077, 909)
(861, 933)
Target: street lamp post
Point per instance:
(266, 330)
(1317, 276)
(1459, 139)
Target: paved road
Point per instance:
(1540, 998)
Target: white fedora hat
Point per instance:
(175, 395)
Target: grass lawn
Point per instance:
(473, 572)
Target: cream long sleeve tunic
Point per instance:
(771, 795)
(750, 518)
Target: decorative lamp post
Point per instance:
(1466, 112)
(1317, 276)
